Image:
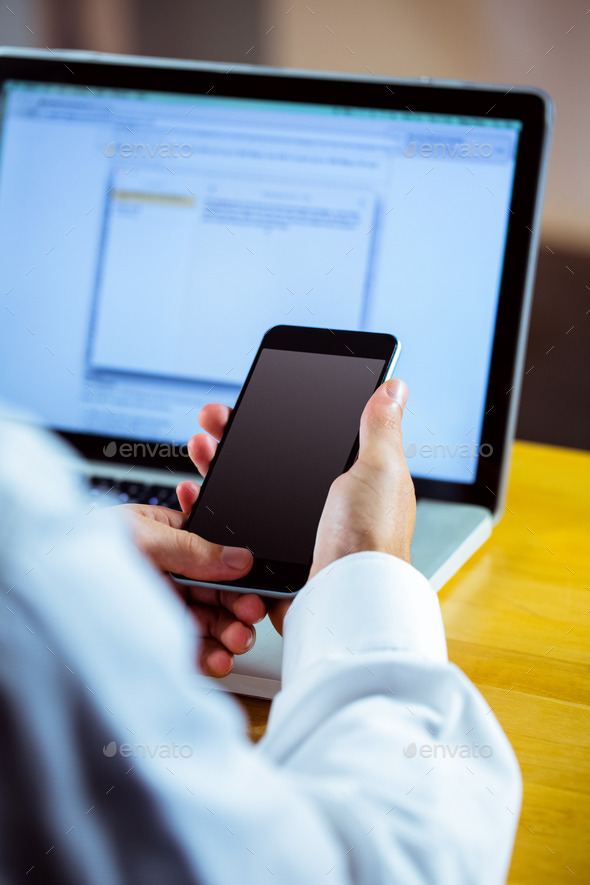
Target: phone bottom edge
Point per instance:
(218, 585)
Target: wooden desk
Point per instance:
(517, 618)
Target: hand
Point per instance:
(372, 506)
(226, 619)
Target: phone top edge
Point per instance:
(315, 339)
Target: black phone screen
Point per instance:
(291, 435)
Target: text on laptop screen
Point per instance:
(147, 242)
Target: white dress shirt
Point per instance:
(381, 762)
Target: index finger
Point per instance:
(213, 418)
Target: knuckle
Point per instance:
(390, 420)
(194, 545)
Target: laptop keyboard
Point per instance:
(133, 492)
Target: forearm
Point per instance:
(366, 678)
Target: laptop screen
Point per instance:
(148, 240)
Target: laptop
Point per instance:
(157, 216)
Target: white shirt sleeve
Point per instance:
(381, 762)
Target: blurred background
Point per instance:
(532, 42)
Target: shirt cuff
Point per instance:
(362, 603)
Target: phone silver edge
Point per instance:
(211, 585)
(393, 362)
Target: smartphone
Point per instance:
(293, 430)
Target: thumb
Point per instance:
(380, 439)
(184, 553)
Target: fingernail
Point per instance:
(251, 641)
(236, 557)
(397, 390)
